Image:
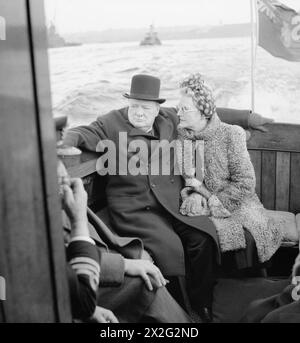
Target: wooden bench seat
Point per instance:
(291, 228)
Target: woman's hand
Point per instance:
(102, 315)
(145, 269)
(194, 185)
(194, 205)
(185, 192)
(216, 208)
(203, 191)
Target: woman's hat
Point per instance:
(145, 87)
(195, 86)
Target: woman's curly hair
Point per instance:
(201, 93)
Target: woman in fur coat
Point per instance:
(225, 190)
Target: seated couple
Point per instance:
(187, 225)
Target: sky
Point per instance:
(96, 15)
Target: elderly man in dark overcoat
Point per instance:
(146, 204)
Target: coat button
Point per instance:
(152, 185)
(148, 208)
(172, 180)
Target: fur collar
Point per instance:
(207, 133)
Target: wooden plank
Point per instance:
(47, 143)
(282, 181)
(280, 137)
(295, 183)
(83, 169)
(268, 179)
(255, 156)
(89, 155)
(30, 256)
(87, 165)
(23, 241)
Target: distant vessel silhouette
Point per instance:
(55, 40)
(151, 38)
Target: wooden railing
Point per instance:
(276, 159)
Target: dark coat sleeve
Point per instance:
(112, 269)
(83, 257)
(86, 136)
(83, 297)
(234, 117)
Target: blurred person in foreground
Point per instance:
(83, 268)
(101, 279)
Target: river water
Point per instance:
(89, 80)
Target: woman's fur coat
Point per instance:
(230, 176)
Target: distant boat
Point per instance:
(55, 40)
(151, 38)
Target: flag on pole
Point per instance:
(279, 29)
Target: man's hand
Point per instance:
(296, 267)
(257, 122)
(75, 203)
(102, 315)
(146, 256)
(144, 269)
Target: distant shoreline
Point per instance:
(165, 33)
(165, 41)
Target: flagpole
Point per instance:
(253, 53)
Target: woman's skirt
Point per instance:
(243, 259)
